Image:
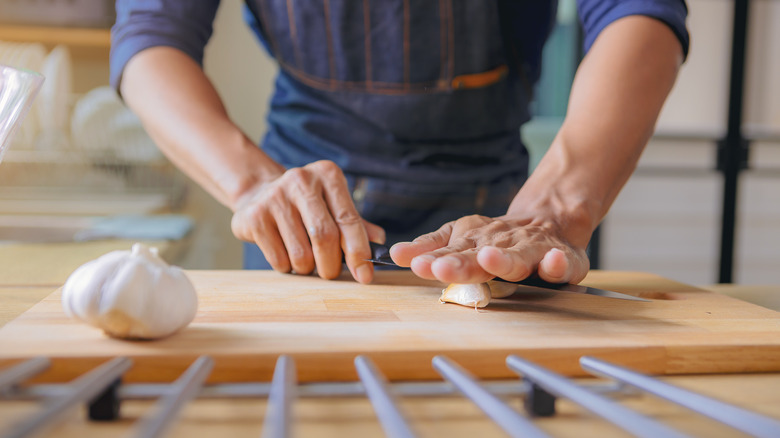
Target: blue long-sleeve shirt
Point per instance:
(391, 89)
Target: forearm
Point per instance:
(184, 115)
(618, 92)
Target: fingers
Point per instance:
(266, 237)
(475, 249)
(554, 265)
(294, 236)
(304, 219)
(506, 263)
(354, 238)
(402, 253)
(460, 267)
(559, 266)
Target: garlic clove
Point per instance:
(131, 295)
(471, 295)
(501, 289)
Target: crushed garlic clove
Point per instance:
(471, 295)
(501, 289)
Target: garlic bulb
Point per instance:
(472, 295)
(501, 289)
(131, 294)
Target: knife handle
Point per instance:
(379, 251)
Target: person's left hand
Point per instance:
(475, 249)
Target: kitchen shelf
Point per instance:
(93, 38)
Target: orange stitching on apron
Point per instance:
(479, 80)
(331, 64)
(293, 31)
(367, 44)
(443, 46)
(394, 88)
(479, 200)
(451, 40)
(406, 45)
(265, 26)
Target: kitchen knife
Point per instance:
(380, 255)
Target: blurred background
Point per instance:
(81, 153)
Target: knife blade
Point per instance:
(380, 255)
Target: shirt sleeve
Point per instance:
(140, 24)
(598, 14)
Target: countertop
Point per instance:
(31, 272)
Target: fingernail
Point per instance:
(364, 273)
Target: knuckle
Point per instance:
(347, 217)
(246, 223)
(424, 238)
(471, 220)
(326, 167)
(295, 175)
(503, 238)
(323, 233)
(274, 196)
(296, 253)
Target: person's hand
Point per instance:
(475, 249)
(306, 219)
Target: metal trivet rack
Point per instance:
(102, 392)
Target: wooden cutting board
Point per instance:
(246, 319)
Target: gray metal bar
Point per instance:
(615, 413)
(22, 371)
(83, 388)
(385, 406)
(182, 390)
(148, 391)
(277, 422)
(736, 417)
(507, 418)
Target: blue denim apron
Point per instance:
(415, 100)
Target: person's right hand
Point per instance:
(306, 219)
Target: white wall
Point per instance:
(669, 223)
(240, 69)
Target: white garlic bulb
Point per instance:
(472, 295)
(131, 294)
(501, 289)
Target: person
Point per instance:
(398, 121)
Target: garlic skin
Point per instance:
(471, 295)
(501, 289)
(131, 295)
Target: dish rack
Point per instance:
(102, 390)
(84, 149)
(108, 160)
(30, 177)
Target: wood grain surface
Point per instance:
(247, 318)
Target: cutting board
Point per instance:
(246, 319)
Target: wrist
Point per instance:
(251, 168)
(562, 194)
